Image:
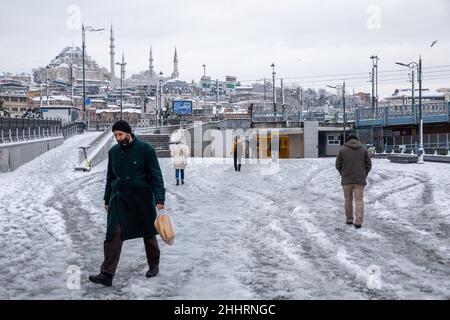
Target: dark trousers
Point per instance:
(237, 162)
(112, 249)
(177, 174)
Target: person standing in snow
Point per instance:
(354, 164)
(275, 147)
(250, 111)
(179, 152)
(237, 151)
(134, 187)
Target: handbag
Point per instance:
(163, 224)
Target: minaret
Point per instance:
(151, 69)
(111, 53)
(175, 73)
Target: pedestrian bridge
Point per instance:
(432, 112)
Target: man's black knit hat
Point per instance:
(121, 125)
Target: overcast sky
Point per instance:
(237, 37)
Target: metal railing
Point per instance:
(262, 116)
(26, 134)
(21, 123)
(16, 134)
(403, 111)
(439, 142)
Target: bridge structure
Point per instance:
(395, 128)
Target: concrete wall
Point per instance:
(97, 150)
(13, 155)
(101, 152)
(311, 139)
(215, 140)
(201, 133)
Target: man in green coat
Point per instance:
(134, 187)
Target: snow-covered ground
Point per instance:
(247, 235)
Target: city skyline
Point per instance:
(302, 40)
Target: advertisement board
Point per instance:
(182, 107)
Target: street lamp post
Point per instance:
(374, 80)
(203, 92)
(419, 79)
(300, 99)
(122, 75)
(83, 39)
(160, 98)
(48, 91)
(265, 95)
(339, 87)
(421, 150)
(156, 103)
(274, 89)
(413, 95)
(72, 80)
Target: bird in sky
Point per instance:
(434, 42)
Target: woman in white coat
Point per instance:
(179, 153)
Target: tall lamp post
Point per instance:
(374, 80)
(419, 79)
(203, 92)
(274, 89)
(300, 99)
(160, 98)
(83, 38)
(339, 87)
(122, 76)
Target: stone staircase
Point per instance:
(160, 142)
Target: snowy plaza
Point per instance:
(240, 235)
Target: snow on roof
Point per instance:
(173, 80)
(53, 98)
(59, 107)
(244, 88)
(425, 94)
(71, 49)
(118, 110)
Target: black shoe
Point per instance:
(357, 226)
(102, 278)
(152, 272)
(349, 222)
(178, 182)
(182, 181)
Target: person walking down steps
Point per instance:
(179, 153)
(134, 187)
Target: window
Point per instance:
(334, 140)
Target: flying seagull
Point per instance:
(434, 42)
